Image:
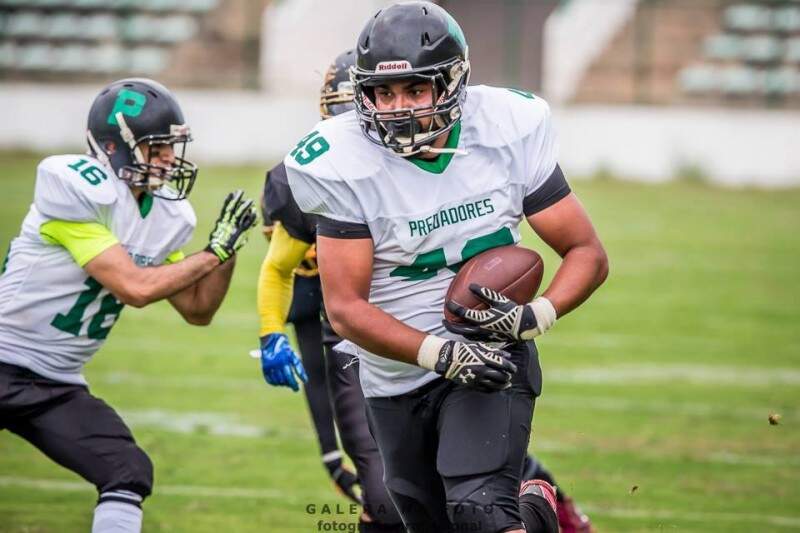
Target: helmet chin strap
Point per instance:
(128, 137)
(97, 151)
(153, 182)
(428, 149)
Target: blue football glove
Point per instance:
(279, 363)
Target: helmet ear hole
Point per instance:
(110, 147)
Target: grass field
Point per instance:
(654, 411)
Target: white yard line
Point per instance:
(544, 445)
(590, 402)
(219, 424)
(680, 373)
(740, 376)
(224, 424)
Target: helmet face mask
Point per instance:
(128, 122)
(401, 130)
(412, 41)
(171, 182)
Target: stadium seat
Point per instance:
(747, 17)
(699, 79)
(176, 29)
(49, 3)
(100, 26)
(161, 5)
(761, 48)
(792, 52)
(72, 58)
(787, 19)
(199, 6)
(64, 25)
(35, 57)
(7, 55)
(139, 28)
(88, 4)
(147, 60)
(25, 24)
(740, 81)
(122, 4)
(722, 46)
(106, 58)
(782, 82)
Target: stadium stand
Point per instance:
(92, 40)
(720, 52)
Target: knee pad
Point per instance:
(133, 471)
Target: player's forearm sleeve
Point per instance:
(276, 279)
(83, 240)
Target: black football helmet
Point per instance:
(411, 40)
(132, 111)
(336, 95)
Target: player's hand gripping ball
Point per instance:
(488, 299)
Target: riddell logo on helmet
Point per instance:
(385, 67)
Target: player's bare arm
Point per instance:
(139, 286)
(566, 228)
(345, 267)
(199, 302)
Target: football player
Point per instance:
(106, 229)
(292, 251)
(427, 173)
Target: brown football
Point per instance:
(513, 271)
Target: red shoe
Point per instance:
(540, 488)
(571, 519)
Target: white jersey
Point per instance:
(53, 316)
(426, 220)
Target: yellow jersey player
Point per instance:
(289, 290)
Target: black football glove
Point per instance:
(504, 320)
(238, 216)
(345, 480)
(475, 365)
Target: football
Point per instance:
(513, 271)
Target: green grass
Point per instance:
(663, 381)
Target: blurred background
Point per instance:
(671, 398)
(647, 89)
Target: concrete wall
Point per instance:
(734, 147)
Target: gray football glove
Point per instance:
(237, 217)
(475, 365)
(504, 320)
